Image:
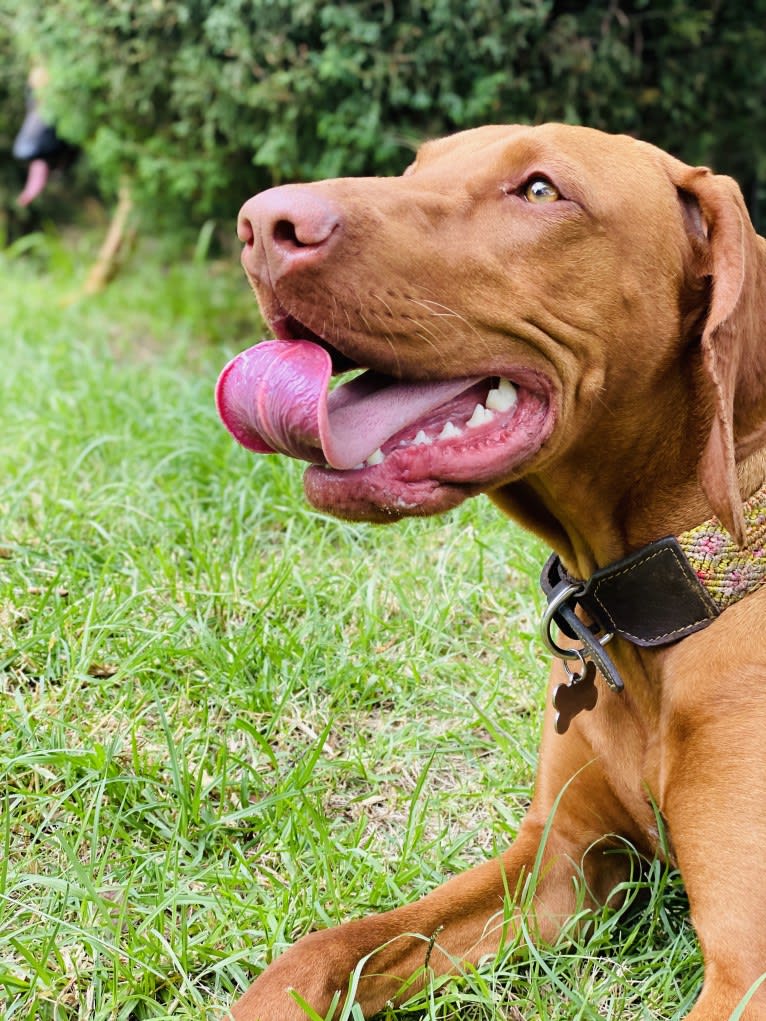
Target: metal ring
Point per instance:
(547, 621)
(566, 593)
(576, 674)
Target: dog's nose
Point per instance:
(285, 229)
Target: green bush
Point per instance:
(202, 102)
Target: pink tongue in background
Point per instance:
(274, 397)
(37, 178)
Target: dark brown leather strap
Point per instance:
(653, 597)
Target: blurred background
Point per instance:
(195, 104)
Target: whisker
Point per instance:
(386, 335)
(454, 314)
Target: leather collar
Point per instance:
(652, 597)
(657, 595)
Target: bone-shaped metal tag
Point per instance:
(580, 693)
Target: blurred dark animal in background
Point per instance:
(38, 144)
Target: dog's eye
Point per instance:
(540, 189)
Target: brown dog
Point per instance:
(623, 295)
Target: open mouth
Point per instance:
(381, 448)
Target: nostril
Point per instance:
(307, 229)
(286, 234)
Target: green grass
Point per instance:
(225, 718)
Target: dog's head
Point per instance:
(523, 300)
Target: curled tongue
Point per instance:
(274, 397)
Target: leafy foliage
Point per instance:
(203, 102)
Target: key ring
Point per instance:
(576, 674)
(557, 599)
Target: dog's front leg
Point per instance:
(468, 917)
(461, 921)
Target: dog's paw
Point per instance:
(315, 969)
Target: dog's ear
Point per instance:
(734, 337)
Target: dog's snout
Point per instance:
(287, 228)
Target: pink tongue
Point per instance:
(37, 178)
(274, 397)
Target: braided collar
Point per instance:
(724, 570)
(656, 596)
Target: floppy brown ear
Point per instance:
(734, 337)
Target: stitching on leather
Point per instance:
(633, 567)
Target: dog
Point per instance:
(575, 324)
(38, 144)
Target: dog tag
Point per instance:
(580, 693)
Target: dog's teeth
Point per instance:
(480, 416)
(422, 440)
(450, 431)
(376, 457)
(503, 397)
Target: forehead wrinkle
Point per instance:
(506, 152)
(510, 164)
(468, 143)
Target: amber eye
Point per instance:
(540, 190)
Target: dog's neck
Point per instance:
(671, 587)
(660, 594)
(612, 524)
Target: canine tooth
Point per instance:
(480, 416)
(503, 397)
(422, 439)
(450, 431)
(376, 457)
